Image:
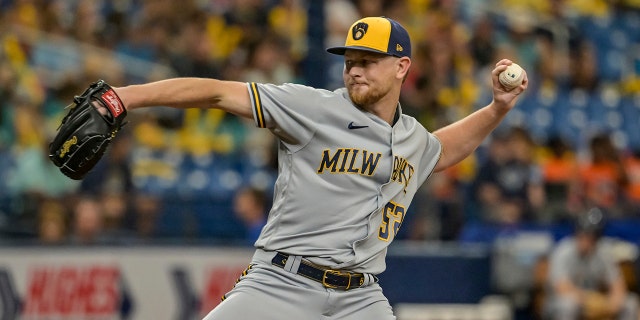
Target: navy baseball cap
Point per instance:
(377, 34)
(591, 222)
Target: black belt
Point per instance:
(329, 278)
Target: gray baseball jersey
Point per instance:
(587, 272)
(346, 177)
(592, 272)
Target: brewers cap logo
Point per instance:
(376, 34)
(358, 31)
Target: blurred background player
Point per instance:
(249, 205)
(585, 280)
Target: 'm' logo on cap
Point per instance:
(398, 47)
(358, 31)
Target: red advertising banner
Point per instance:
(116, 283)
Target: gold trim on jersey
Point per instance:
(257, 105)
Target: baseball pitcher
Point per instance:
(350, 163)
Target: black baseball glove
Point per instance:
(92, 122)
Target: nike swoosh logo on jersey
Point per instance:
(352, 126)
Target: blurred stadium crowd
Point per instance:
(572, 142)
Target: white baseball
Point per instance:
(512, 76)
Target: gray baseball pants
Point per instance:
(268, 292)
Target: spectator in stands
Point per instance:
(251, 16)
(289, 20)
(632, 167)
(8, 78)
(419, 96)
(483, 42)
(370, 8)
(560, 176)
(250, 206)
(33, 176)
(147, 208)
(485, 191)
(438, 210)
(112, 182)
(87, 224)
(603, 177)
(269, 61)
(520, 41)
(52, 224)
(583, 66)
(87, 23)
(193, 55)
(508, 187)
(584, 278)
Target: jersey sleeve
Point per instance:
(559, 261)
(605, 251)
(288, 110)
(431, 156)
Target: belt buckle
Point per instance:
(337, 273)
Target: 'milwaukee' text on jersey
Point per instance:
(353, 160)
(345, 177)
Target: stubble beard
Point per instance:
(366, 98)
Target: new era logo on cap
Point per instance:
(377, 34)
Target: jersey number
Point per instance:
(392, 217)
